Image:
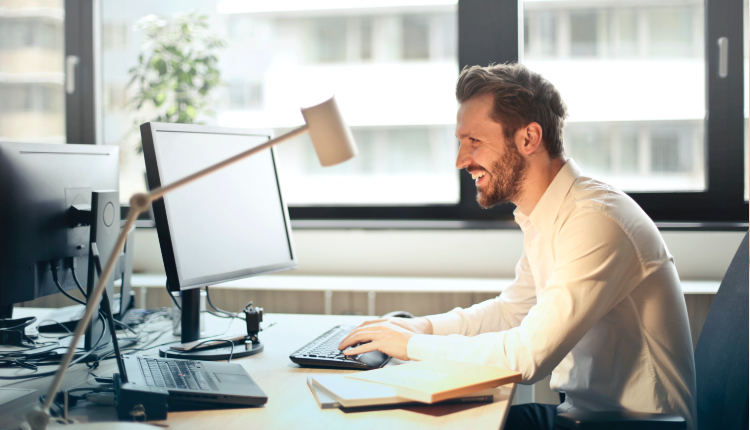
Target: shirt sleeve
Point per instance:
(501, 313)
(595, 267)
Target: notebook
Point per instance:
(334, 391)
(432, 381)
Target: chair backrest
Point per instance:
(721, 356)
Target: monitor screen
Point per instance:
(229, 225)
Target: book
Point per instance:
(432, 381)
(324, 400)
(337, 391)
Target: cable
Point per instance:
(55, 278)
(52, 372)
(80, 288)
(125, 326)
(75, 279)
(58, 323)
(54, 270)
(210, 303)
(22, 352)
(152, 317)
(34, 363)
(173, 299)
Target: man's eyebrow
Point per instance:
(462, 135)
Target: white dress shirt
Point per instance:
(596, 301)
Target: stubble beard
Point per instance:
(506, 176)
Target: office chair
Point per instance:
(721, 367)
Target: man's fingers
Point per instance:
(359, 336)
(363, 328)
(361, 349)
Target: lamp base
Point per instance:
(213, 354)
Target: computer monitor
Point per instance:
(38, 185)
(229, 225)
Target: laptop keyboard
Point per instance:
(324, 351)
(173, 374)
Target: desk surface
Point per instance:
(290, 403)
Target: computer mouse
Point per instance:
(398, 314)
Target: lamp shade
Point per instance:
(330, 135)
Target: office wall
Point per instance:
(449, 253)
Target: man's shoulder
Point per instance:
(589, 197)
(588, 194)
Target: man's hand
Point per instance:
(389, 336)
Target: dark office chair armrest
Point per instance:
(619, 420)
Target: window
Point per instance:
(613, 59)
(115, 35)
(329, 39)
(32, 101)
(392, 70)
(583, 33)
(416, 37)
(648, 112)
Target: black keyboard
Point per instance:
(173, 374)
(324, 352)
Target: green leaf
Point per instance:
(159, 99)
(191, 112)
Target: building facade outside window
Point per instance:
(633, 76)
(392, 70)
(32, 51)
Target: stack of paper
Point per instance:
(425, 381)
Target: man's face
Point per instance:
(496, 165)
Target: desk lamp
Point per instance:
(333, 144)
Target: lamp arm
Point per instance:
(139, 203)
(159, 192)
(39, 417)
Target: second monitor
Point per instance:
(230, 225)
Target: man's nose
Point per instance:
(464, 157)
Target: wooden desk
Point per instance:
(290, 403)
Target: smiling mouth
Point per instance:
(477, 175)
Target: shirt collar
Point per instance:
(545, 213)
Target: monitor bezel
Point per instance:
(175, 281)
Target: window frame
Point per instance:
(484, 26)
(83, 108)
(490, 31)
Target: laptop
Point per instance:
(191, 384)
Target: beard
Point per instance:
(506, 178)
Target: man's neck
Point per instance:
(540, 174)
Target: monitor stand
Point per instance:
(191, 325)
(6, 311)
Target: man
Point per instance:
(596, 300)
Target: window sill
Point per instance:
(468, 225)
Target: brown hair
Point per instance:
(521, 97)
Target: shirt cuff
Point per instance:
(444, 324)
(423, 346)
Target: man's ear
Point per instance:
(531, 138)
